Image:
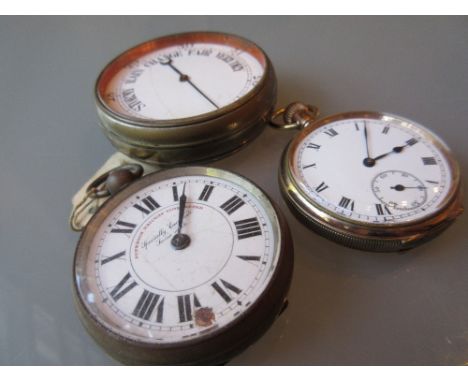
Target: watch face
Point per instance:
(181, 76)
(376, 169)
(180, 258)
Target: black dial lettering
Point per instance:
(224, 288)
(206, 193)
(247, 228)
(313, 146)
(146, 305)
(331, 132)
(429, 161)
(123, 287)
(175, 193)
(347, 203)
(150, 204)
(232, 204)
(110, 258)
(322, 186)
(185, 306)
(250, 258)
(123, 227)
(382, 209)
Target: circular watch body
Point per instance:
(371, 181)
(187, 97)
(185, 266)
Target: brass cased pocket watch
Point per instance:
(186, 98)
(184, 266)
(367, 180)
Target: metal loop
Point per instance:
(281, 125)
(295, 116)
(113, 180)
(105, 185)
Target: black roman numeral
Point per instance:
(308, 165)
(247, 228)
(322, 186)
(123, 227)
(123, 287)
(386, 129)
(313, 146)
(224, 288)
(356, 126)
(411, 142)
(347, 203)
(250, 258)
(110, 258)
(432, 182)
(185, 307)
(382, 209)
(150, 204)
(175, 193)
(331, 132)
(429, 161)
(206, 193)
(232, 204)
(146, 305)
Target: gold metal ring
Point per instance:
(278, 125)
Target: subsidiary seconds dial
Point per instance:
(399, 190)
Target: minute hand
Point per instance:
(182, 203)
(185, 78)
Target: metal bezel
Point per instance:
(235, 336)
(405, 232)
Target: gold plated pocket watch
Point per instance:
(183, 266)
(367, 180)
(186, 98)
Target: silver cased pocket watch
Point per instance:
(183, 266)
(367, 180)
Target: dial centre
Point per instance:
(180, 241)
(167, 260)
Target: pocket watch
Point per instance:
(186, 98)
(183, 266)
(368, 180)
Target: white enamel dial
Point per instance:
(382, 171)
(138, 284)
(183, 80)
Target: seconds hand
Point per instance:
(185, 78)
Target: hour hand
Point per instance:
(396, 150)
